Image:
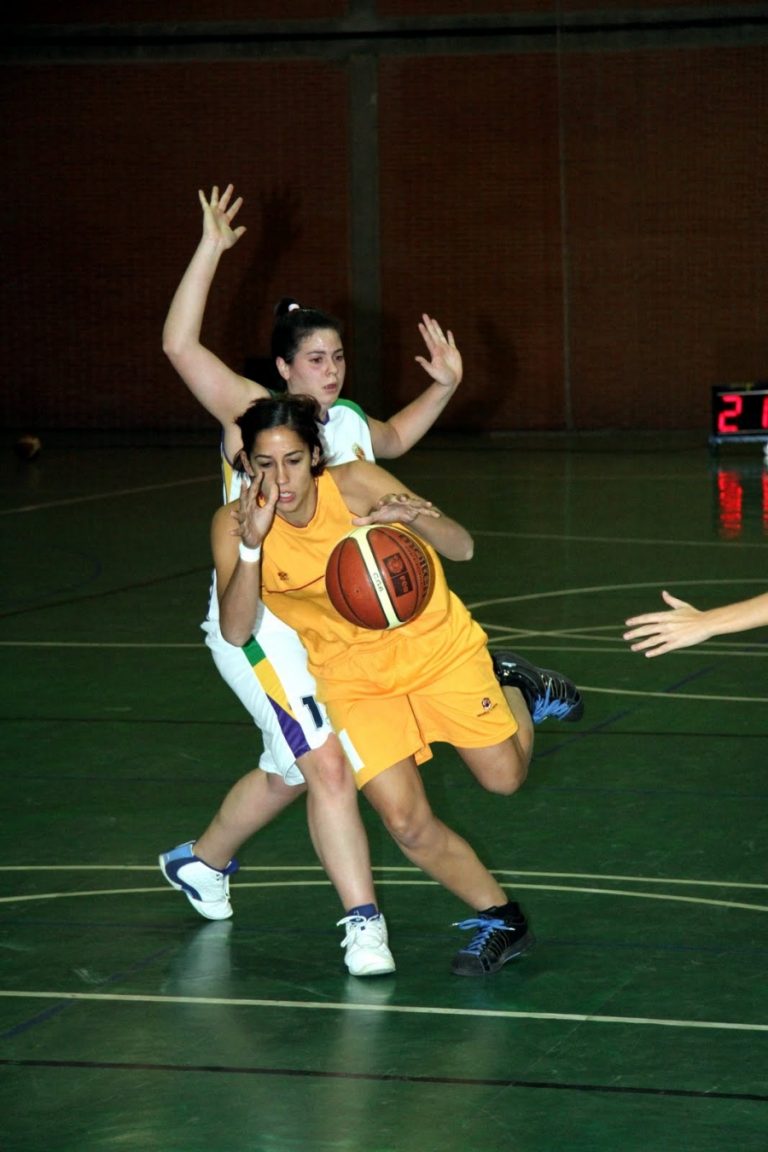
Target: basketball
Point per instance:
(27, 447)
(379, 577)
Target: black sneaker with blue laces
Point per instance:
(547, 694)
(501, 935)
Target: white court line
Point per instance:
(397, 884)
(497, 632)
(674, 695)
(595, 632)
(590, 588)
(639, 541)
(396, 868)
(108, 495)
(92, 644)
(594, 688)
(409, 1010)
(703, 650)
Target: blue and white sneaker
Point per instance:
(546, 693)
(206, 888)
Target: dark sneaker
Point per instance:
(495, 942)
(547, 693)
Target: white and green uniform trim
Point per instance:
(269, 675)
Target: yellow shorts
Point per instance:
(465, 708)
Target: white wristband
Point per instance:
(249, 555)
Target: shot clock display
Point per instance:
(739, 412)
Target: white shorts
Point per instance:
(271, 679)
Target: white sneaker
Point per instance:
(206, 888)
(367, 952)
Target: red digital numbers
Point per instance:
(740, 412)
(733, 406)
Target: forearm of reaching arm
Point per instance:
(375, 496)
(185, 315)
(739, 617)
(238, 577)
(222, 392)
(446, 536)
(239, 603)
(394, 437)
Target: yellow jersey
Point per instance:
(348, 661)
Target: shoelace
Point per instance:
(486, 929)
(545, 706)
(353, 923)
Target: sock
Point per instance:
(509, 912)
(367, 911)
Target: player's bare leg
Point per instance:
(252, 803)
(339, 839)
(335, 825)
(399, 798)
(525, 728)
(201, 868)
(501, 929)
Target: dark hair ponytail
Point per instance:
(294, 323)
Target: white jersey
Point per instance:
(270, 674)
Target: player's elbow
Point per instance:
(388, 444)
(172, 347)
(459, 552)
(234, 634)
(235, 637)
(467, 548)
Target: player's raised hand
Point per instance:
(254, 512)
(658, 632)
(218, 215)
(397, 508)
(444, 364)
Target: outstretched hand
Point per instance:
(444, 364)
(397, 507)
(254, 513)
(658, 632)
(218, 214)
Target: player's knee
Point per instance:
(511, 780)
(504, 778)
(406, 825)
(327, 769)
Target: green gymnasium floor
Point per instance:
(638, 846)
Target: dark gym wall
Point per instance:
(579, 194)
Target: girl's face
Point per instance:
(317, 369)
(284, 461)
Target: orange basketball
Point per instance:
(379, 576)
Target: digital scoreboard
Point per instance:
(739, 413)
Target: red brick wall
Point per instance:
(105, 164)
(591, 224)
(653, 282)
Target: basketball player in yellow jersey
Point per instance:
(389, 694)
